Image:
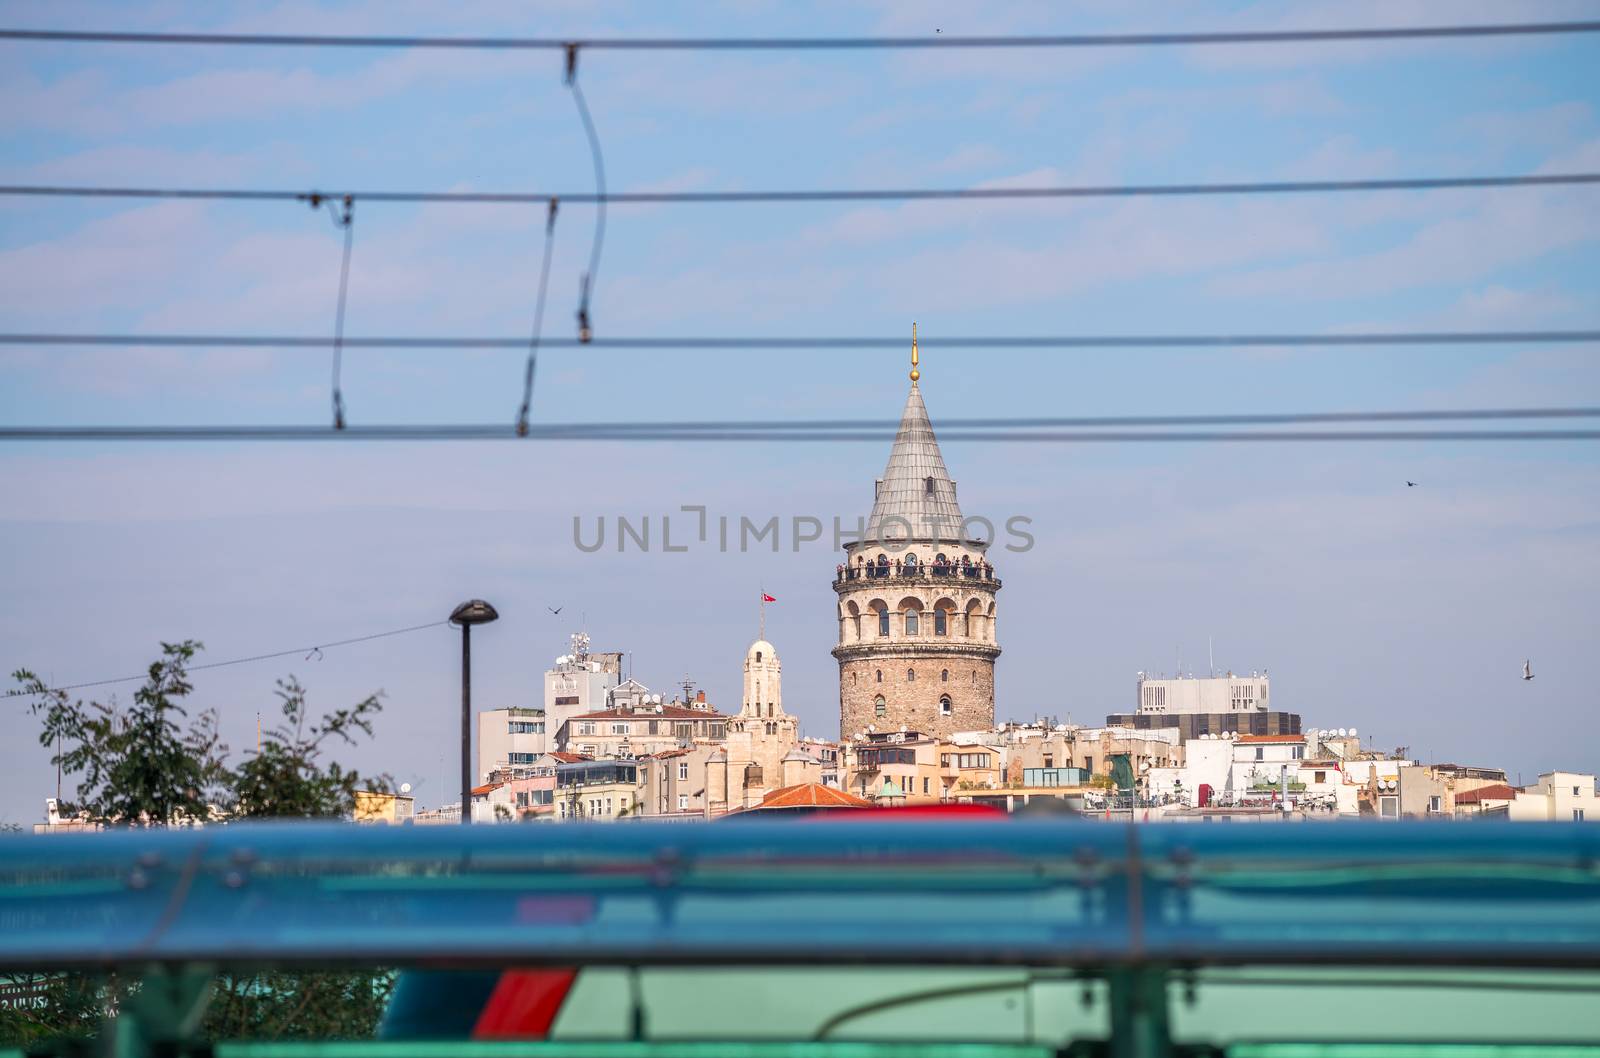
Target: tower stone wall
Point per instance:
(916, 601)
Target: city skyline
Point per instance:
(1406, 612)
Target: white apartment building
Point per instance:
(509, 739)
(1209, 694)
(579, 682)
(1558, 795)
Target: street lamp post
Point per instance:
(473, 612)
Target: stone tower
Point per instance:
(917, 641)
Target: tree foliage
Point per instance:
(152, 764)
(285, 777)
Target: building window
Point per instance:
(1577, 815)
(925, 788)
(911, 622)
(940, 623)
(683, 770)
(619, 729)
(911, 675)
(566, 699)
(1259, 752)
(944, 760)
(683, 802)
(758, 657)
(883, 622)
(944, 675)
(586, 729)
(927, 486)
(944, 705)
(880, 675)
(1433, 803)
(524, 727)
(879, 706)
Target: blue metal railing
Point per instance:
(1034, 893)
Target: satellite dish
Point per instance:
(1352, 732)
(1343, 732)
(405, 788)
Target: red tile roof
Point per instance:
(668, 712)
(1497, 792)
(479, 791)
(570, 758)
(811, 795)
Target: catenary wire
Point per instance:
(346, 220)
(491, 432)
(235, 661)
(1267, 187)
(586, 285)
(738, 342)
(538, 321)
(1079, 40)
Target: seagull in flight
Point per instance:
(1411, 484)
(554, 609)
(1527, 670)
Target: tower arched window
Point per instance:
(944, 675)
(927, 485)
(944, 705)
(880, 675)
(911, 622)
(883, 622)
(879, 706)
(940, 623)
(758, 657)
(911, 675)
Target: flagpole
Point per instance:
(763, 634)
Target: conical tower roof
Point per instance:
(915, 485)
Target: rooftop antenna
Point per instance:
(1210, 658)
(688, 686)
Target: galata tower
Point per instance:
(917, 638)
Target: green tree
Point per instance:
(146, 765)
(152, 765)
(286, 778)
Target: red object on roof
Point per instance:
(811, 795)
(1497, 792)
(1271, 738)
(479, 791)
(665, 712)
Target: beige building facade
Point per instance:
(916, 599)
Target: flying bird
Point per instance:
(1527, 670)
(1411, 484)
(554, 609)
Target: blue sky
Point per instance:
(1406, 613)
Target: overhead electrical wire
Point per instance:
(1077, 40)
(346, 221)
(586, 284)
(601, 196)
(538, 321)
(307, 651)
(1087, 429)
(738, 342)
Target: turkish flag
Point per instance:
(767, 598)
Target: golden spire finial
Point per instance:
(915, 374)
